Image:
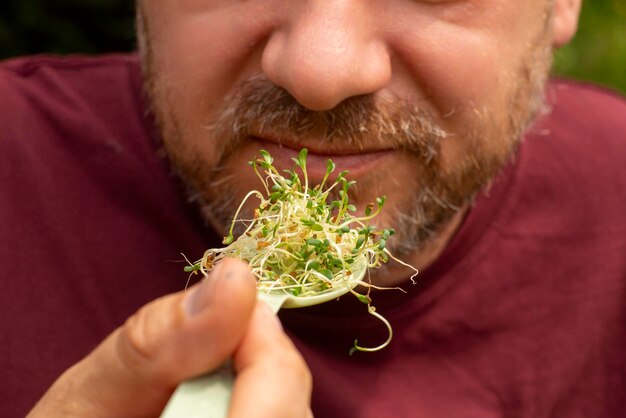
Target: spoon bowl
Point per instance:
(348, 280)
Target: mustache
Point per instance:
(259, 108)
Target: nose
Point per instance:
(326, 52)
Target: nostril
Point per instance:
(319, 72)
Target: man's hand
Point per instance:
(135, 370)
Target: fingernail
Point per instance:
(199, 298)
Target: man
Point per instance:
(519, 309)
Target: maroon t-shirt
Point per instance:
(524, 315)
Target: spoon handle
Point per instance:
(209, 395)
(204, 396)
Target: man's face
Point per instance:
(422, 101)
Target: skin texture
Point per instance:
(471, 70)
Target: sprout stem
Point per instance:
(371, 310)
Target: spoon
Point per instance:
(209, 395)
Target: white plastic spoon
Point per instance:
(208, 396)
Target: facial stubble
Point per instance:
(258, 107)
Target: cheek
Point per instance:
(197, 57)
(458, 69)
(467, 56)
(198, 60)
(470, 77)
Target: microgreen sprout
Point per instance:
(301, 242)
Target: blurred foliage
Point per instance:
(597, 53)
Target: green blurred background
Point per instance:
(90, 26)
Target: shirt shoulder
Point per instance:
(70, 71)
(56, 111)
(594, 115)
(71, 95)
(53, 74)
(582, 138)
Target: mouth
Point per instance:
(357, 162)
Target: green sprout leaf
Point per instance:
(364, 299)
(266, 157)
(314, 242)
(330, 166)
(302, 157)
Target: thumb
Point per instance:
(134, 371)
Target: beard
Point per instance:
(440, 189)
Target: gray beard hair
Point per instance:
(258, 106)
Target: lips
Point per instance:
(357, 162)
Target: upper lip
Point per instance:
(320, 148)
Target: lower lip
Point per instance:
(356, 164)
